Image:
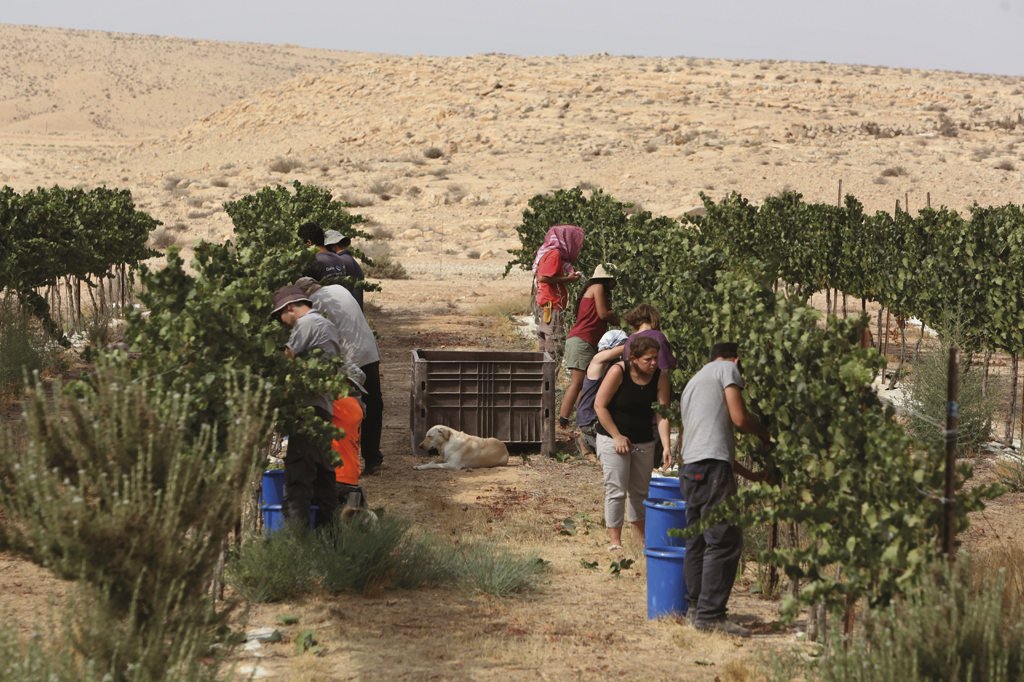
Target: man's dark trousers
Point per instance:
(373, 421)
(713, 556)
(308, 480)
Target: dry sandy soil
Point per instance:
(187, 125)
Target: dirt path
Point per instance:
(583, 624)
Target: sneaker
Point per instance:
(371, 470)
(724, 626)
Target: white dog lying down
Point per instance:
(459, 450)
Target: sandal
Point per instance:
(616, 548)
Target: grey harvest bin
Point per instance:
(505, 395)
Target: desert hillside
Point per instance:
(105, 84)
(498, 128)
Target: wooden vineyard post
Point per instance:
(906, 201)
(929, 195)
(773, 570)
(1012, 411)
(952, 419)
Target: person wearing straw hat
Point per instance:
(593, 315)
(338, 244)
(360, 348)
(308, 474)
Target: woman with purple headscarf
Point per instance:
(553, 271)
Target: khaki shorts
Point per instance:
(578, 353)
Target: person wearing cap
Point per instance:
(553, 271)
(360, 348)
(328, 266)
(337, 243)
(609, 351)
(308, 475)
(593, 315)
(711, 405)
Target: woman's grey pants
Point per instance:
(625, 474)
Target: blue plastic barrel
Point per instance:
(662, 515)
(273, 518)
(273, 487)
(665, 488)
(666, 588)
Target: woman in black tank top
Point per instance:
(625, 442)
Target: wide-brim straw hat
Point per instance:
(600, 272)
(285, 295)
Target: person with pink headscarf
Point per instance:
(553, 271)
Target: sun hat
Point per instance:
(612, 339)
(335, 237)
(284, 296)
(356, 378)
(308, 285)
(600, 272)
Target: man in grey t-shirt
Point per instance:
(360, 347)
(711, 405)
(308, 474)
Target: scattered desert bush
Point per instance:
(438, 172)
(161, 238)
(1006, 166)
(361, 555)
(473, 254)
(894, 172)
(433, 153)
(583, 184)
(506, 307)
(879, 180)
(198, 215)
(171, 183)
(357, 200)
(936, 107)
(414, 191)
(650, 147)
(384, 264)
(381, 232)
(954, 627)
(196, 202)
(108, 488)
(926, 395)
(24, 348)
(456, 193)
(177, 227)
(220, 182)
(285, 165)
(382, 188)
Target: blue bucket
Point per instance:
(665, 488)
(273, 487)
(661, 516)
(273, 518)
(666, 588)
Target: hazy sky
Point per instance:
(962, 35)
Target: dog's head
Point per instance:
(437, 436)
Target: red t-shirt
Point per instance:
(550, 265)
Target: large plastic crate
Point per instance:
(503, 395)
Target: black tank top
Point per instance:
(631, 408)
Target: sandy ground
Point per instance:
(187, 125)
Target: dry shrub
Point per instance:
(650, 147)
(162, 238)
(198, 215)
(1006, 556)
(1006, 166)
(456, 193)
(357, 200)
(196, 202)
(382, 188)
(473, 254)
(171, 183)
(438, 172)
(382, 233)
(433, 153)
(506, 307)
(879, 180)
(285, 165)
(414, 191)
(220, 182)
(894, 172)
